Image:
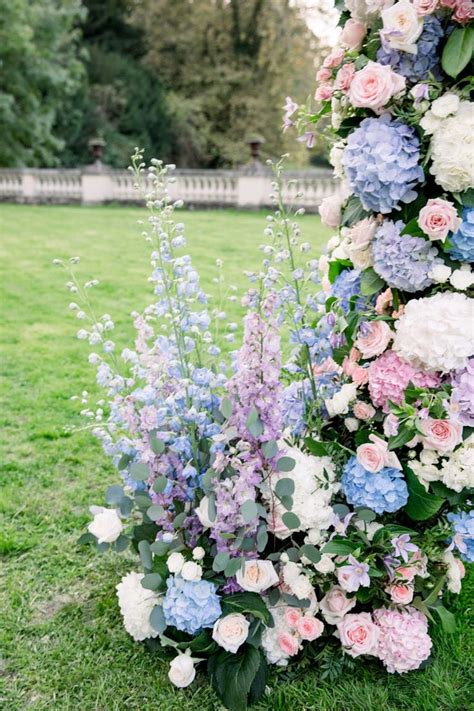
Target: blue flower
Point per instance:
(381, 163)
(403, 261)
(294, 398)
(463, 529)
(190, 606)
(385, 491)
(417, 67)
(463, 239)
(346, 285)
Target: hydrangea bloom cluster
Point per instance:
(403, 261)
(190, 606)
(462, 396)
(463, 533)
(417, 67)
(462, 241)
(389, 377)
(381, 162)
(383, 491)
(404, 641)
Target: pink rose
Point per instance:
(407, 572)
(345, 76)
(288, 644)
(391, 425)
(464, 11)
(334, 59)
(353, 34)
(323, 74)
(310, 628)
(362, 233)
(374, 455)
(384, 301)
(401, 594)
(335, 604)
(330, 211)
(373, 338)
(292, 616)
(425, 7)
(362, 410)
(441, 435)
(359, 375)
(323, 92)
(374, 86)
(359, 635)
(437, 218)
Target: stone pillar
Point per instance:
(28, 184)
(253, 190)
(97, 188)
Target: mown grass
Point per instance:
(63, 641)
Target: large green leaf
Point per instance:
(234, 674)
(421, 505)
(370, 282)
(247, 602)
(353, 211)
(458, 50)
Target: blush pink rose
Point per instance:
(425, 7)
(292, 616)
(288, 644)
(374, 339)
(384, 301)
(438, 218)
(330, 211)
(362, 233)
(335, 604)
(441, 435)
(359, 635)
(353, 34)
(334, 59)
(359, 375)
(401, 594)
(407, 572)
(323, 92)
(374, 86)
(464, 11)
(363, 410)
(345, 76)
(324, 74)
(374, 455)
(310, 628)
(391, 425)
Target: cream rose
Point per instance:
(182, 672)
(257, 575)
(463, 278)
(230, 632)
(335, 604)
(440, 273)
(438, 218)
(175, 562)
(106, 526)
(191, 571)
(402, 26)
(445, 105)
(202, 512)
(353, 34)
(374, 338)
(441, 435)
(359, 635)
(330, 210)
(373, 86)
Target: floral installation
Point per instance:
(305, 502)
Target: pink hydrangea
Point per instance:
(404, 641)
(389, 376)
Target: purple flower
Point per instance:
(402, 546)
(418, 66)
(353, 575)
(462, 396)
(308, 138)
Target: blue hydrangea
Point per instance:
(346, 285)
(190, 605)
(385, 491)
(403, 261)
(381, 161)
(294, 399)
(463, 530)
(463, 239)
(417, 67)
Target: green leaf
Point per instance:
(317, 448)
(339, 547)
(311, 552)
(145, 554)
(247, 602)
(291, 520)
(86, 538)
(160, 484)
(412, 228)
(370, 282)
(232, 567)
(433, 596)
(353, 212)
(404, 435)
(157, 445)
(202, 644)
(458, 50)
(233, 676)
(114, 494)
(122, 543)
(139, 471)
(220, 561)
(285, 464)
(448, 620)
(467, 197)
(421, 505)
(249, 510)
(270, 449)
(157, 619)
(262, 538)
(259, 683)
(152, 581)
(155, 512)
(226, 408)
(284, 487)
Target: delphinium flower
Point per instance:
(294, 399)
(462, 241)
(190, 605)
(463, 533)
(462, 396)
(389, 376)
(417, 67)
(403, 261)
(381, 160)
(404, 642)
(384, 491)
(347, 285)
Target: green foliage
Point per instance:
(421, 504)
(458, 50)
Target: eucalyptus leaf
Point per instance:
(157, 619)
(157, 445)
(155, 512)
(160, 484)
(114, 494)
(291, 520)
(152, 581)
(285, 464)
(311, 552)
(145, 554)
(226, 408)
(139, 471)
(284, 487)
(249, 510)
(220, 561)
(270, 449)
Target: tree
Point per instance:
(40, 66)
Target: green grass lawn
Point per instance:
(63, 640)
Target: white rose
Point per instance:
(257, 575)
(455, 572)
(402, 26)
(182, 671)
(462, 278)
(175, 562)
(230, 632)
(325, 565)
(351, 424)
(445, 105)
(339, 403)
(191, 571)
(202, 512)
(440, 273)
(198, 553)
(106, 526)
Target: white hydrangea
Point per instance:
(298, 583)
(365, 10)
(271, 647)
(136, 604)
(452, 147)
(335, 158)
(433, 334)
(456, 470)
(314, 487)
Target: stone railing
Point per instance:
(200, 188)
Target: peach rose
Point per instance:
(373, 338)
(345, 76)
(330, 210)
(441, 435)
(407, 572)
(384, 301)
(437, 218)
(310, 628)
(353, 34)
(401, 594)
(288, 644)
(335, 604)
(359, 635)
(362, 410)
(292, 616)
(374, 86)
(257, 575)
(362, 233)
(334, 59)
(230, 632)
(425, 7)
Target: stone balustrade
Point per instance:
(199, 188)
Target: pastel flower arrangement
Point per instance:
(312, 505)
